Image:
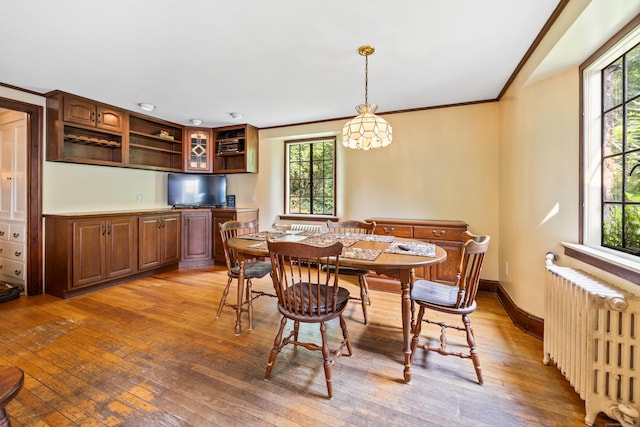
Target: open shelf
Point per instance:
(235, 149)
(154, 144)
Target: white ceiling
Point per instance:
(277, 62)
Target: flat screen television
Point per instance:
(187, 190)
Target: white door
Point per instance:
(13, 157)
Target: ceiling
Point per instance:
(277, 62)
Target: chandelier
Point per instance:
(366, 130)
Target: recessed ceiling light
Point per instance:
(236, 116)
(196, 122)
(146, 106)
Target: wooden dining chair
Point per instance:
(358, 227)
(308, 294)
(253, 269)
(459, 299)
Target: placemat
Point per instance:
(262, 235)
(419, 249)
(360, 253)
(259, 245)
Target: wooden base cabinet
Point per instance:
(444, 233)
(159, 240)
(85, 252)
(196, 237)
(80, 253)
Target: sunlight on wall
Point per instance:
(553, 212)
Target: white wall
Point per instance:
(442, 164)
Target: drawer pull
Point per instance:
(17, 272)
(2, 233)
(17, 253)
(16, 235)
(438, 233)
(388, 230)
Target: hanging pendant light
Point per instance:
(366, 130)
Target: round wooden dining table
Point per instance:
(395, 265)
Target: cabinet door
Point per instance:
(148, 242)
(79, 111)
(120, 247)
(88, 252)
(197, 151)
(110, 119)
(170, 239)
(196, 235)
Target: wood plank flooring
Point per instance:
(151, 353)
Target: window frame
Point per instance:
(590, 249)
(307, 141)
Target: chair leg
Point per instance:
(249, 299)
(296, 328)
(364, 297)
(326, 355)
(277, 345)
(223, 300)
(472, 346)
(416, 333)
(345, 334)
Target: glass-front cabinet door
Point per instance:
(197, 150)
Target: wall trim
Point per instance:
(528, 323)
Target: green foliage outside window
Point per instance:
(311, 167)
(621, 153)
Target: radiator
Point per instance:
(308, 227)
(591, 332)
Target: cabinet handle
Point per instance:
(438, 233)
(17, 272)
(98, 118)
(109, 230)
(17, 253)
(103, 229)
(93, 116)
(1, 233)
(16, 235)
(388, 230)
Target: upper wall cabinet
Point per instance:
(154, 144)
(236, 149)
(89, 113)
(83, 131)
(197, 150)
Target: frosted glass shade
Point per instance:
(366, 130)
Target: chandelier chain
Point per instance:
(366, 79)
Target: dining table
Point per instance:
(392, 256)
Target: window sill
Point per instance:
(614, 264)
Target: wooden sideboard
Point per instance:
(444, 233)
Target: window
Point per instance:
(620, 163)
(610, 153)
(310, 176)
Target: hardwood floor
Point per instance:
(151, 353)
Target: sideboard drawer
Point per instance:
(394, 230)
(438, 233)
